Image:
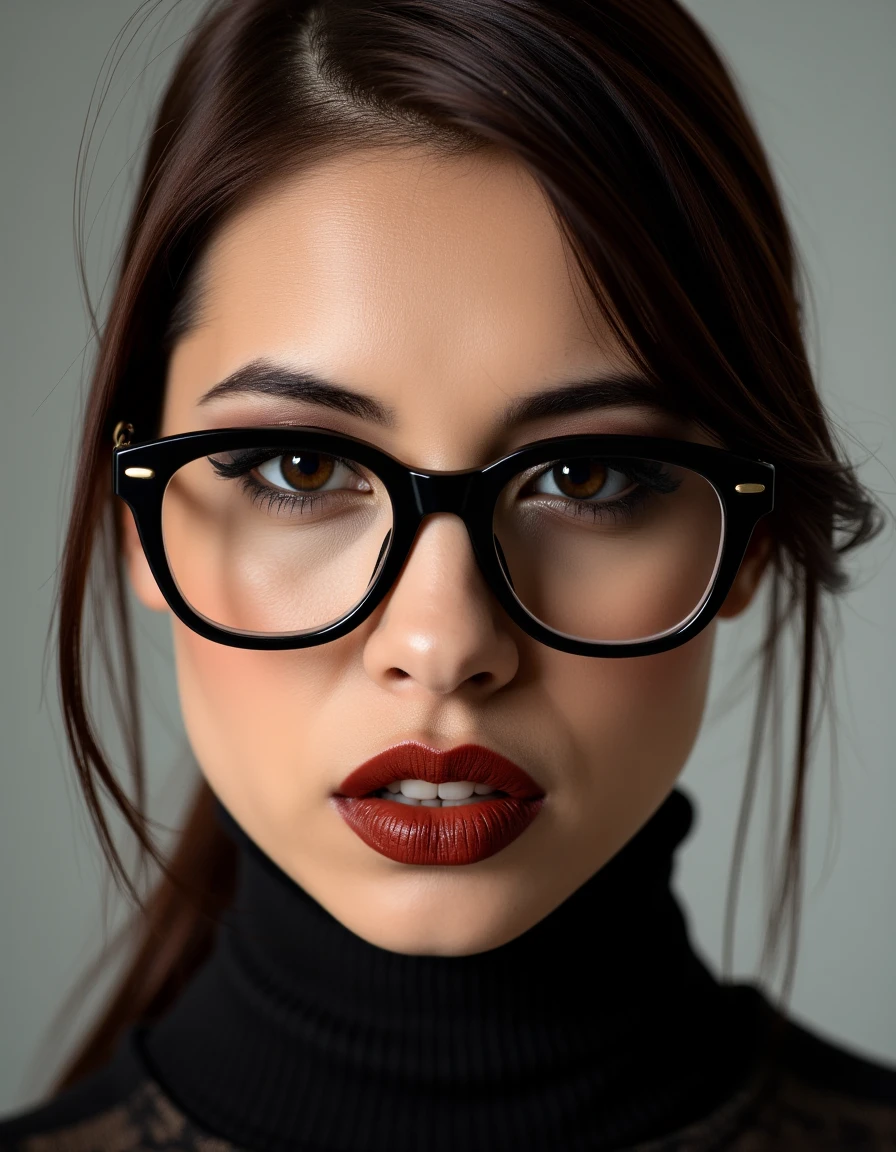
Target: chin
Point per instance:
(434, 940)
(428, 920)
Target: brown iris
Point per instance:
(580, 478)
(307, 472)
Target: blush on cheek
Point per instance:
(226, 700)
(635, 718)
(663, 697)
(257, 722)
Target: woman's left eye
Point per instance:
(587, 479)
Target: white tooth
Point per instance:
(457, 803)
(456, 789)
(430, 803)
(394, 786)
(419, 789)
(482, 789)
(400, 798)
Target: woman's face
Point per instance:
(442, 289)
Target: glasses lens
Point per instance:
(274, 541)
(610, 550)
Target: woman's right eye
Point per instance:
(305, 472)
(299, 472)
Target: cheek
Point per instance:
(639, 717)
(629, 726)
(249, 717)
(665, 696)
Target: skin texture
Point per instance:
(441, 287)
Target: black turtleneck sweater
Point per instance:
(598, 1029)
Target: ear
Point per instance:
(142, 580)
(749, 574)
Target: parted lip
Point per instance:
(412, 760)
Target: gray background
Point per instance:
(818, 77)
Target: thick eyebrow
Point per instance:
(613, 388)
(264, 378)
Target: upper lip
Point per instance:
(412, 760)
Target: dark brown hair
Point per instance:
(625, 113)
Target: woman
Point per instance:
(454, 390)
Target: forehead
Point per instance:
(402, 259)
(441, 287)
(403, 249)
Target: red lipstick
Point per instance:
(459, 834)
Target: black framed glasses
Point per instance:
(287, 537)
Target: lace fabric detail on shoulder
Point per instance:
(773, 1112)
(777, 1111)
(802, 1118)
(146, 1121)
(723, 1127)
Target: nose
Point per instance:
(440, 628)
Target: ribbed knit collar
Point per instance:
(597, 1028)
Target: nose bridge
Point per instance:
(438, 631)
(449, 492)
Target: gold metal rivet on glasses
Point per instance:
(749, 487)
(140, 473)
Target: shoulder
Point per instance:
(832, 1065)
(830, 1095)
(120, 1108)
(814, 1093)
(799, 1092)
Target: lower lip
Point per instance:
(421, 835)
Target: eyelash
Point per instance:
(240, 467)
(652, 476)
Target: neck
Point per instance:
(599, 1020)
